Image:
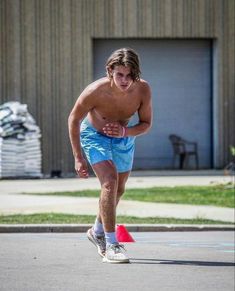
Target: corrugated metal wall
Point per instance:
(46, 56)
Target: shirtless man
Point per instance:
(100, 124)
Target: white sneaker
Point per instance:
(98, 241)
(116, 253)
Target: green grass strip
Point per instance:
(57, 218)
(217, 195)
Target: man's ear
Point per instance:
(109, 72)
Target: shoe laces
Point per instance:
(117, 247)
(100, 240)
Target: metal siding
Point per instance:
(229, 72)
(46, 56)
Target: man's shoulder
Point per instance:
(94, 90)
(98, 85)
(143, 83)
(143, 86)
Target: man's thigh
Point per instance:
(105, 171)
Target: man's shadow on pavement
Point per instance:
(181, 262)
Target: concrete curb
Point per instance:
(79, 228)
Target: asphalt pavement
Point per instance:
(170, 260)
(159, 261)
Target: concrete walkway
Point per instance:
(138, 179)
(13, 202)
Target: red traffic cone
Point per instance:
(123, 235)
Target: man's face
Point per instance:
(122, 77)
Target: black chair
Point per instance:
(184, 149)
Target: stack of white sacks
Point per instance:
(20, 148)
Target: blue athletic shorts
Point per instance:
(99, 147)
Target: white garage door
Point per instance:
(179, 73)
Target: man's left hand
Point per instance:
(114, 129)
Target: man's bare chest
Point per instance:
(118, 108)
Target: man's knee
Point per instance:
(110, 184)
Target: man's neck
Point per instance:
(117, 92)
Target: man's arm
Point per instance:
(145, 115)
(81, 108)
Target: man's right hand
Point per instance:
(81, 168)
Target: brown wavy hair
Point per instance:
(124, 57)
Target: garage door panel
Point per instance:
(179, 73)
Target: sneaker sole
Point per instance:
(105, 260)
(91, 240)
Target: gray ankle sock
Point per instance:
(98, 228)
(110, 238)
